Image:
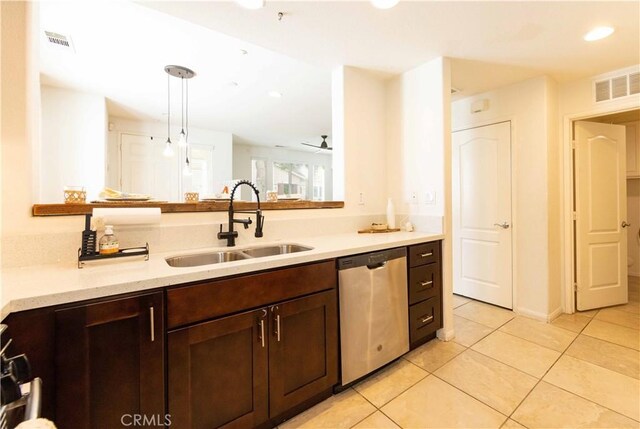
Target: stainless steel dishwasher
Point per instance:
(374, 321)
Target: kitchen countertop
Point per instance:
(42, 286)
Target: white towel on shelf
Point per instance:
(36, 424)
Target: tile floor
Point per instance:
(504, 371)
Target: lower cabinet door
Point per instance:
(110, 364)
(303, 350)
(218, 373)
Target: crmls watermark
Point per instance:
(144, 420)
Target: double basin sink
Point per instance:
(218, 257)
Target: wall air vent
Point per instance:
(603, 90)
(616, 85)
(619, 87)
(59, 41)
(634, 83)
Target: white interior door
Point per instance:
(481, 181)
(601, 209)
(144, 170)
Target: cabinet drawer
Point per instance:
(424, 318)
(424, 254)
(424, 282)
(203, 301)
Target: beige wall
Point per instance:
(530, 106)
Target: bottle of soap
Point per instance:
(108, 242)
(391, 214)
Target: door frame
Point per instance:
(514, 197)
(568, 299)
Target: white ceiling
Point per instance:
(122, 47)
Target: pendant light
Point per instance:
(182, 73)
(182, 140)
(168, 149)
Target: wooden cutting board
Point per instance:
(376, 231)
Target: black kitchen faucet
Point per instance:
(231, 235)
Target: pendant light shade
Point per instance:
(168, 149)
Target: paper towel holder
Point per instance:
(87, 250)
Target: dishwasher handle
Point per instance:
(372, 260)
(377, 266)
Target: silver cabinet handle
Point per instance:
(430, 282)
(153, 325)
(262, 332)
(261, 323)
(427, 319)
(424, 255)
(625, 224)
(274, 309)
(503, 225)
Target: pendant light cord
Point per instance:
(182, 101)
(186, 153)
(168, 107)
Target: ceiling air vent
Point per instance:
(59, 41)
(603, 91)
(619, 87)
(634, 83)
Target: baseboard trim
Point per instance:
(446, 335)
(542, 317)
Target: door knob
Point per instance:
(625, 224)
(503, 225)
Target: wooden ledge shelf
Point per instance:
(202, 206)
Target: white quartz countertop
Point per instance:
(42, 286)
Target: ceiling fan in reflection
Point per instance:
(323, 145)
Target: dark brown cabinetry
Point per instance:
(425, 292)
(257, 367)
(109, 362)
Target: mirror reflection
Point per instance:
(109, 108)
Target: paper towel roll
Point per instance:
(128, 215)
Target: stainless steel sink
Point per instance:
(280, 249)
(218, 257)
(205, 258)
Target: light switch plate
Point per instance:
(430, 198)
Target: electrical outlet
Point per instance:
(361, 199)
(430, 198)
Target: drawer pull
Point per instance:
(427, 319)
(152, 324)
(424, 284)
(426, 255)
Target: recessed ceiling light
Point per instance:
(598, 33)
(274, 94)
(384, 4)
(251, 4)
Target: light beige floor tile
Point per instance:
(521, 354)
(377, 420)
(607, 355)
(573, 322)
(432, 403)
(510, 424)
(600, 385)
(390, 382)
(339, 411)
(619, 317)
(631, 307)
(550, 407)
(485, 314)
(434, 354)
(496, 384)
(467, 332)
(459, 300)
(540, 333)
(613, 333)
(588, 313)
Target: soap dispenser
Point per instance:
(108, 242)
